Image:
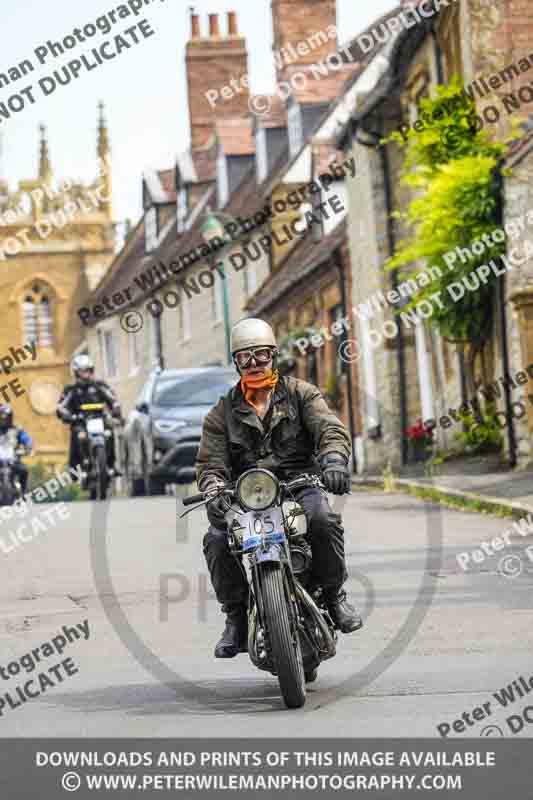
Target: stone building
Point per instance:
(249, 164)
(416, 373)
(57, 241)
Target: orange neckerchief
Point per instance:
(250, 383)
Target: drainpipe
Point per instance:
(159, 342)
(391, 241)
(438, 56)
(337, 258)
(502, 316)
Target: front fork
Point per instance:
(258, 639)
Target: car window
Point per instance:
(199, 390)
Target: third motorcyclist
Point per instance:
(282, 424)
(18, 439)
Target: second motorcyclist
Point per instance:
(86, 390)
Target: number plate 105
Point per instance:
(261, 526)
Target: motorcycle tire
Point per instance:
(285, 645)
(101, 476)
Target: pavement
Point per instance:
(438, 640)
(472, 481)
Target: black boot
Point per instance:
(343, 614)
(235, 635)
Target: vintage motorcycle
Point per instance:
(10, 488)
(289, 628)
(92, 434)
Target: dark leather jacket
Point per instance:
(77, 394)
(302, 427)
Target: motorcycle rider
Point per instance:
(15, 437)
(86, 389)
(277, 423)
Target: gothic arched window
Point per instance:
(37, 316)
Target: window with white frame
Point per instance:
(37, 319)
(150, 230)
(108, 352)
(134, 352)
(182, 209)
(294, 119)
(222, 179)
(261, 155)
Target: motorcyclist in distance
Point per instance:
(15, 437)
(86, 389)
(282, 424)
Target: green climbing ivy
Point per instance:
(451, 166)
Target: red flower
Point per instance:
(419, 431)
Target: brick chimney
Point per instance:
(308, 23)
(212, 62)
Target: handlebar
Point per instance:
(300, 480)
(192, 499)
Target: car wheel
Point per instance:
(152, 486)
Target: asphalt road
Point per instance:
(437, 641)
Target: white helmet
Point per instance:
(81, 363)
(251, 332)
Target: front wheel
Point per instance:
(101, 476)
(285, 642)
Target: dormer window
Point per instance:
(222, 179)
(294, 119)
(182, 209)
(261, 155)
(150, 230)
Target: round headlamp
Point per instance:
(257, 489)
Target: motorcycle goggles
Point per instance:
(261, 356)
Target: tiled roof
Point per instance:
(321, 88)
(198, 166)
(245, 201)
(301, 261)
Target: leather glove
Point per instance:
(335, 473)
(216, 510)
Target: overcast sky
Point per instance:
(143, 88)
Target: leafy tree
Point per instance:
(451, 164)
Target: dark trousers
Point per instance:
(325, 534)
(20, 471)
